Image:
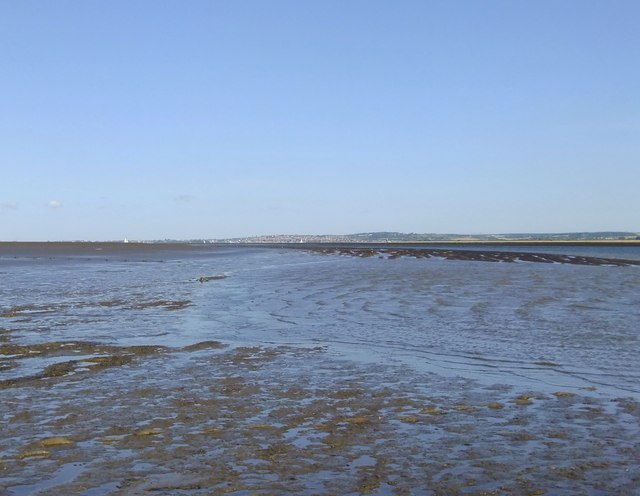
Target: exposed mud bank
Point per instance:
(29, 310)
(60, 359)
(474, 255)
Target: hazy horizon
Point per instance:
(232, 119)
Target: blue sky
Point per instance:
(174, 119)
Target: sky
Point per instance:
(215, 119)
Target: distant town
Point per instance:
(398, 237)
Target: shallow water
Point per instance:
(520, 323)
(417, 332)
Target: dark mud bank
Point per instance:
(473, 255)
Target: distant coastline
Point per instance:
(142, 248)
(607, 238)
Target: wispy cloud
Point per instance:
(54, 204)
(184, 198)
(8, 205)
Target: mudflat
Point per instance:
(346, 370)
(291, 420)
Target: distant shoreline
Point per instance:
(144, 250)
(138, 245)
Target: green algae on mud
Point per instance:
(204, 345)
(96, 357)
(291, 420)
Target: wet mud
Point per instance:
(218, 277)
(95, 357)
(472, 255)
(205, 419)
(27, 311)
